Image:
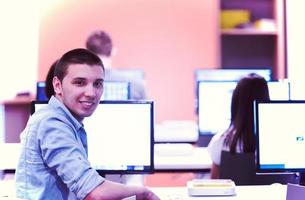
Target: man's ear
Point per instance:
(57, 85)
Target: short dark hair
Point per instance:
(99, 42)
(75, 56)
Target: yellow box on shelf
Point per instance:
(230, 18)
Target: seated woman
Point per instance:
(239, 137)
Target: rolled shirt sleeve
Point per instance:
(63, 153)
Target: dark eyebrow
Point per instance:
(79, 79)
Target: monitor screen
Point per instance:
(116, 90)
(214, 98)
(120, 136)
(113, 90)
(280, 130)
(40, 91)
(214, 103)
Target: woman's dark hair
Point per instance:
(59, 68)
(49, 90)
(249, 88)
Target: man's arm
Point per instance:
(109, 190)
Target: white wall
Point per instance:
(19, 36)
(296, 47)
(2, 125)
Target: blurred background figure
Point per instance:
(100, 43)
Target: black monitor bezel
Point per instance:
(148, 169)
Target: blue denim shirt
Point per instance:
(54, 160)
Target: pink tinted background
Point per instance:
(168, 39)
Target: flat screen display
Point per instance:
(120, 136)
(280, 130)
(214, 103)
(113, 90)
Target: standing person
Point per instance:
(100, 43)
(54, 161)
(239, 137)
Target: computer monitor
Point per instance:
(116, 90)
(280, 133)
(214, 103)
(40, 91)
(113, 90)
(227, 74)
(279, 90)
(120, 136)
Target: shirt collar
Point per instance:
(59, 106)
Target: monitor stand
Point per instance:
(128, 179)
(302, 178)
(296, 191)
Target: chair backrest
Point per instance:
(241, 168)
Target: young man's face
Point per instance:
(81, 89)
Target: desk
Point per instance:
(9, 154)
(17, 113)
(276, 192)
(7, 190)
(197, 160)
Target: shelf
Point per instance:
(23, 100)
(248, 32)
(261, 42)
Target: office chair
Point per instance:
(241, 168)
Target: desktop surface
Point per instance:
(173, 157)
(274, 191)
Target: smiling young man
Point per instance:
(54, 162)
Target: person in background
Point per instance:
(239, 137)
(100, 43)
(53, 163)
